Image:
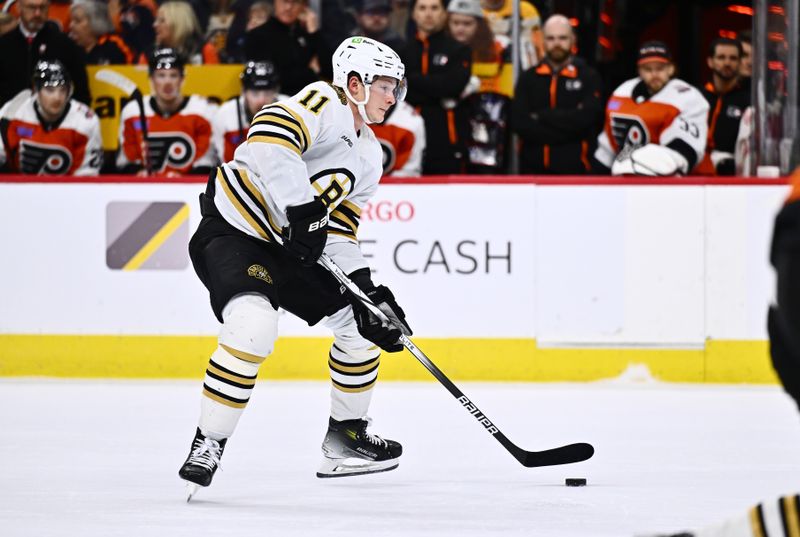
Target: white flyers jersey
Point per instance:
(176, 142)
(299, 148)
(28, 145)
(402, 138)
(675, 117)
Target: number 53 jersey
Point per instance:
(296, 149)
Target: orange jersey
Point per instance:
(176, 143)
(675, 117)
(70, 146)
(402, 138)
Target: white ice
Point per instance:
(100, 458)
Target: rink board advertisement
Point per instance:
(502, 281)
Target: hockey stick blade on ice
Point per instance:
(550, 457)
(129, 88)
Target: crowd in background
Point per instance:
(462, 114)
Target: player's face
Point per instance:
(255, 99)
(558, 42)
(167, 84)
(381, 98)
(52, 100)
(429, 15)
(79, 29)
(288, 11)
(725, 63)
(746, 65)
(33, 14)
(462, 27)
(656, 74)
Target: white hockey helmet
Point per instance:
(369, 59)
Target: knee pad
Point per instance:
(249, 328)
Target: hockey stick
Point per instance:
(129, 88)
(549, 457)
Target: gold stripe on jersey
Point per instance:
(277, 139)
(257, 197)
(756, 516)
(337, 223)
(347, 215)
(354, 389)
(297, 118)
(789, 514)
(273, 120)
(246, 356)
(353, 207)
(222, 399)
(238, 380)
(345, 234)
(361, 368)
(244, 210)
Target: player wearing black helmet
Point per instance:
(260, 87)
(45, 132)
(179, 131)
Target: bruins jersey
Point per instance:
(178, 142)
(229, 127)
(296, 149)
(402, 138)
(69, 146)
(675, 117)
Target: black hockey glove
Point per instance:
(371, 328)
(307, 232)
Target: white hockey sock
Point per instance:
(227, 386)
(353, 376)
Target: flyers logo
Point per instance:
(628, 131)
(389, 156)
(173, 149)
(43, 159)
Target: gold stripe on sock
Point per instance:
(222, 401)
(246, 356)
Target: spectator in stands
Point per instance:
(291, 40)
(133, 20)
(746, 65)
(655, 124)
(34, 39)
(373, 22)
(257, 13)
(438, 70)
(487, 97)
(728, 98)
(177, 28)
(91, 28)
(178, 137)
(260, 87)
(44, 132)
(219, 24)
(498, 13)
(402, 138)
(557, 109)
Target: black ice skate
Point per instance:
(350, 450)
(202, 462)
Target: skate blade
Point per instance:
(353, 467)
(191, 490)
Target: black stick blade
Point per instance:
(560, 455)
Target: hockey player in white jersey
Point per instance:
(296, 188)
(655, 124)
(260, 87)
(45, 132)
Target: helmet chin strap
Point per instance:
(361, 105)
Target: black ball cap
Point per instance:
(260, 75)
(654, 51)
(166, 58)
(50, 73)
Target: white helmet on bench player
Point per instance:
(369, 59)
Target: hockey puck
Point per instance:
(575, 482)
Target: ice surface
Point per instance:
(100, 458)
